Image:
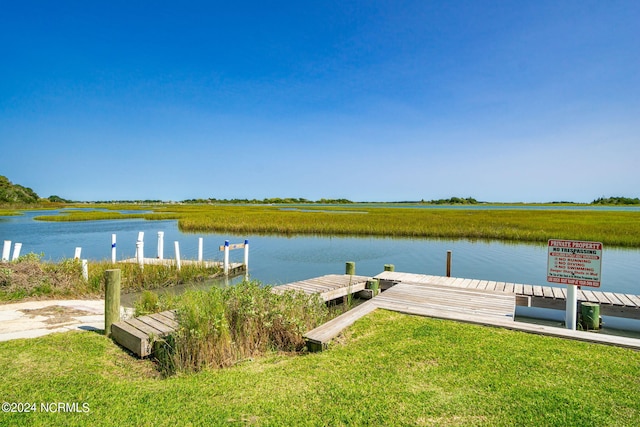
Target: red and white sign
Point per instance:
(573, 262)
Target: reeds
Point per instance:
(29, 276)
(222, 326)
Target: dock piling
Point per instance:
(16, 251)
(6, 250)
(176, 245)
(113, 249)
(350, 268)
(111, 299)
(200, 249)
(448, 263)
(160, 244)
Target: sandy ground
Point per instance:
(37, 318)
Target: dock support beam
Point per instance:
(17, 247)
(111, 299)
(200, 249)
(448, 263)
(176, 246)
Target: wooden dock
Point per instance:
(611, 304)
(466, 300)
(329, 287)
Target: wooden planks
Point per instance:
(329, 287)
(613, 304)
(137, 334)
(424, 299)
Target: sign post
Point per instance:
(574, 263)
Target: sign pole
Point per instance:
(571, 313)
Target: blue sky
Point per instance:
(366, 100)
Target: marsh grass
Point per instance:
(30, 277)
(223, 326)
(614, 228)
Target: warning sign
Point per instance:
(574, 262)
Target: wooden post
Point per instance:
(448, 263)
(590, 312)
(111, 299)
(200, 249)
(6, 250)
(113, 249)
(176, 245)
(78, 252)
(389, 267)
(140, 239)
(85, 270)
(16, 251)
(571, 313)
(160, 244)
(246, 256)
(140, 253)
(350, 268)
(225, 265)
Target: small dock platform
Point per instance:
(138, 334)
(329, 287)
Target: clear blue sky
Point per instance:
(365, 100)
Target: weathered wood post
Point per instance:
(78, 253)
(176, 246)
(350, 268)
(160, 244)
(448, 263)
(113, 249)
(200, 248)
(111, 299)
(389, 267)
(16, 251)
(225, 265)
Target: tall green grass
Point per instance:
(222, 326)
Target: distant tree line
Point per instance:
(452, 201)
(616, 201)
(268, 201)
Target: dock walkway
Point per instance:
(611, 304)
(466, 300)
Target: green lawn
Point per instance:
(388, 369)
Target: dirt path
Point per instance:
(37, 318)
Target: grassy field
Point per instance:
(612, 228)
(390, 369)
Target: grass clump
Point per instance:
(223, 326)
(30, 277)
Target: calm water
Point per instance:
(276, 260)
